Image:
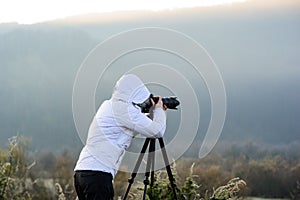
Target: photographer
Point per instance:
(116, 122)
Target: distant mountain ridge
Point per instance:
(257, 53)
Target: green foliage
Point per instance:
(59, 192)
(49, 176)
(13, 170)
(189, 189)
(295, 194)
(17, 179)
(162, 189)
(270, 176)
(63, 173)
(230, 190)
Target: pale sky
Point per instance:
(33, 11)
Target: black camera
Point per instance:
(169, 102)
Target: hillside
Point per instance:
(256, 49)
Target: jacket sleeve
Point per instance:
(151, 128)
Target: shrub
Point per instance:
(162, 189)
(13, 170)
(15, 182)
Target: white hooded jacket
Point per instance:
(116, 122)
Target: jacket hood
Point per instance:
(130, 88)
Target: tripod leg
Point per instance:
(152, 162)
(168, 168)
(136, 168)
(149, 164)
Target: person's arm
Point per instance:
(155, 127)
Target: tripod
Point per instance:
(150, 164)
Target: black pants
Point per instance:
(93, 185)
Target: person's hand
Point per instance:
(159, 103)
(165, 107)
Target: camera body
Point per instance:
(169, 102)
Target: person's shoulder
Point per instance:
(104, 107)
